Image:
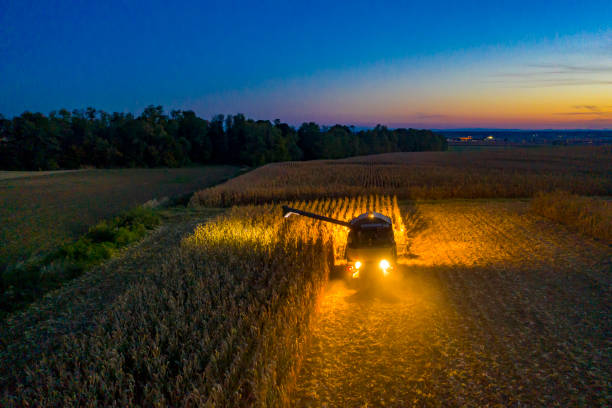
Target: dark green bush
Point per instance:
(139, 216)
(103, 232)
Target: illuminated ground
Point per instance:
(494, 306)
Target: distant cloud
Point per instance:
(431, 116)
(589, 110)
(551, 82)
(539, 70)
(568, 82)
(568, 69)
(556, 74)
(592, 108)
(585, 113)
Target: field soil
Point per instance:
(491, 306)
(40, 212)
(10, 174)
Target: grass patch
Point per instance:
(590, 216)
(28, 281)
(40, 213)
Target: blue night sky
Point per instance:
(519, 64)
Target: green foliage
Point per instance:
(33, 141)
(26, 282)
(342, 141)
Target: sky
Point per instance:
(429, 64)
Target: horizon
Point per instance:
(518, 66)
(353, 125)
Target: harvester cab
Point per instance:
(370, 248)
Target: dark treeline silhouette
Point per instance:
(68, 140)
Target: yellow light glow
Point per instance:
(355, 274)
(357, 265)
(384, 265)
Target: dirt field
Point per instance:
(494, 306)
(6, 175)
(39, 213)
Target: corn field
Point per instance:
(591, 216)
(222, 322)
(426, 175)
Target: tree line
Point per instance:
(68, 140)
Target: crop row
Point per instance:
(222, 322)
(591, 216)
(430, 175)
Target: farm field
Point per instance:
(215, 317)
(494, 306)
(41, 212)
(73, 309)
(504, 173)
(6, 175)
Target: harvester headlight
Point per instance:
(384, 265)
(357, 265)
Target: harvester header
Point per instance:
(370, 242)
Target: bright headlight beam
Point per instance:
(357, 265)
(384, 265)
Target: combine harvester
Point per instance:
(370, 251)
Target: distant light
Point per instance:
(357, 265)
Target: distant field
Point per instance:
(477, 147)
(6, 175)
(492, 173)
(39, 212)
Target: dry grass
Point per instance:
(40, 213)
(506, 173)
(221, 322)
(591, 216)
